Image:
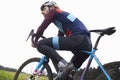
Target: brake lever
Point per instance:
(30, 34)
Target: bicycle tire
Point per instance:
(47, 67)
(113, 70)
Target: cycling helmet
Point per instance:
(49, 4)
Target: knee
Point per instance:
(39, 47)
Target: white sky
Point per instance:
(18, 17)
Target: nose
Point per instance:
(42, 12)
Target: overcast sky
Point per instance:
(18, 17)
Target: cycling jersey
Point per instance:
(67, 23)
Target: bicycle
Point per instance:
(42, 68)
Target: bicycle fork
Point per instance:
(39, 69)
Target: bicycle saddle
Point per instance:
(107, 31)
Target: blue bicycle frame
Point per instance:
(40, 67)
(92, 55)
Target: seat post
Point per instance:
(97, 41)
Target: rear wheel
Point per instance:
(27, 68)
(113, 70)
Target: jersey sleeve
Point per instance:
(48, 19)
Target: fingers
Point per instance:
(33, 45)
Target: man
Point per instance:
(72, 36)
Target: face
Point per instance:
(45, 11)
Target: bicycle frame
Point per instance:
(92, 55)
(40, 67)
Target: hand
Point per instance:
(33, 45)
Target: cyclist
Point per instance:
(72, 36)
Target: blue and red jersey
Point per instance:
(67, 23)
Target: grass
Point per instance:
(6, 75)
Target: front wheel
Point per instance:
(27, 68)
(113, 70)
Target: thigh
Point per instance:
(71, 43)
(65, 43)
(61, 43)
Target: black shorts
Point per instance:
(74, 44)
